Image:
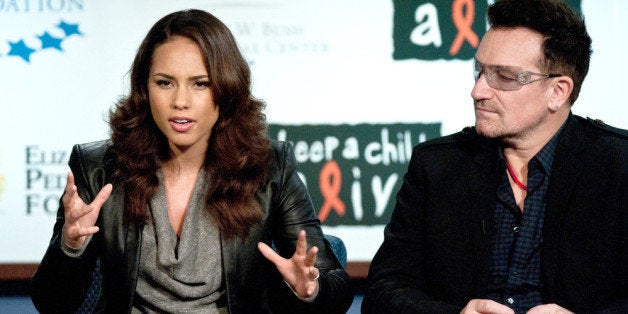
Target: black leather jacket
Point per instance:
(252, 283)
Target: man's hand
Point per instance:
(483, 306)
(549, 309)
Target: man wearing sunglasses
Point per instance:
(525, 212)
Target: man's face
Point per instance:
(516, 113)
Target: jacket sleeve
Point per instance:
(297, 213)
(397, 281)
(60, 283)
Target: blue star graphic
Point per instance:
(48, 41)
(21, 50)
(69, 29)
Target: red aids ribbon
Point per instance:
(330, 182)
(463, 24)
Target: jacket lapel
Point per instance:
(229, 265)
(482, 192)
(563, 179)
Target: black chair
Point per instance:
(339, 248)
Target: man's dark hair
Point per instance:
(567, 45)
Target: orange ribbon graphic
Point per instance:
(463, 24)
(330, 182)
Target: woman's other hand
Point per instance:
(298, 271)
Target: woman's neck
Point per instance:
(184, 161)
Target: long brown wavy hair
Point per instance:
(237, 158)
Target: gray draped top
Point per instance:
(180, 275)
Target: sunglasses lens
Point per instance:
(504, 78)
(477, 69)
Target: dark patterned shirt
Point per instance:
(515, 268)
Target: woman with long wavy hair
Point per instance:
(178, 210)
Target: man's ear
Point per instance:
(559, 92)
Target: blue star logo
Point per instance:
(20, 49)
(48, 41)
(69, 29)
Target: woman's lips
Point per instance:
(181, 124)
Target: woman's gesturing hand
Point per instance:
(298, 271)
(80, 218)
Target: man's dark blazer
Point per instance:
(253, 284)
(436, 252)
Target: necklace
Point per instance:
(514, 178)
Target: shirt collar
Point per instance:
(546, 155)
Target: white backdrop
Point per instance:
(313, 61)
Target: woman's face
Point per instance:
(181, 100)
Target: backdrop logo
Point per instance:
(2, 182)
(50, 38)
(2, 185)
(46, 172)
(431, 30)
(22, 50)
(353, 172)
(40, 6)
